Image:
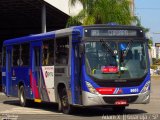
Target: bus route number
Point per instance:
(134, 90)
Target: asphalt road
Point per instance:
(9, 108)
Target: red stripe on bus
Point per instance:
(34, 86)
(104, 91)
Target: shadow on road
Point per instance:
(41, 106)
(83, 112)
(105, 111)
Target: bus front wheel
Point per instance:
(65, 106)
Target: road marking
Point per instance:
(21, 110)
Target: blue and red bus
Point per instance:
(97, 65)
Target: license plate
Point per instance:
(121, 102)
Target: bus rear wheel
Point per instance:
(22, 97)
(65, 106)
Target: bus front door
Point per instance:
(35, 77)
(38, 85)
(77, 76)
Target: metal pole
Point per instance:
(44, 18)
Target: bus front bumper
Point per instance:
(90, 99)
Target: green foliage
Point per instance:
(150, 43)
(154, 67)
(102, 11)
(156, 61)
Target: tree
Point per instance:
(102, 11)
(154, 61)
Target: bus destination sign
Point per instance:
(112, 33)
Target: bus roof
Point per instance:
(36, 37)
(29, 38)
(114, 26)
(61, 32)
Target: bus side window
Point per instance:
(16, 55)
(62, 51)
(48, 52)
(25, 50)
(4, 57)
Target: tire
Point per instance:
(65, 106)
(119, 109)
(59, 104)
(22, 98)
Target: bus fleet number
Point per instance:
(134, 90)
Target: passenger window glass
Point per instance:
(48, 53)
(25, 54)
(4, 56)
(16, 55)
(62, 51)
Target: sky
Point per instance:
(149, 13)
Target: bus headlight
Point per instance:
(91, 88)
(146, 87)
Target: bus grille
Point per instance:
(112, 100)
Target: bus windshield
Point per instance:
(113, 60)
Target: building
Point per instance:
(158, 52)
(155, 52)
(25, 17)
(132, 7)
(63, 5)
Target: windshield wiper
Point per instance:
(128, 47)
(113, 54)
(107, 46)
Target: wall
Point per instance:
(63, 5)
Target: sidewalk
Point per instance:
(3, 97)
(2, 93)
(0, 88)
(156, 77)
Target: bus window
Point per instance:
(0, 59)
(48, 52)
(4, 57)
(62, 51)
(16, 55)
(25, 54)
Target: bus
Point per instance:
(104, 65)
(0, 70)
